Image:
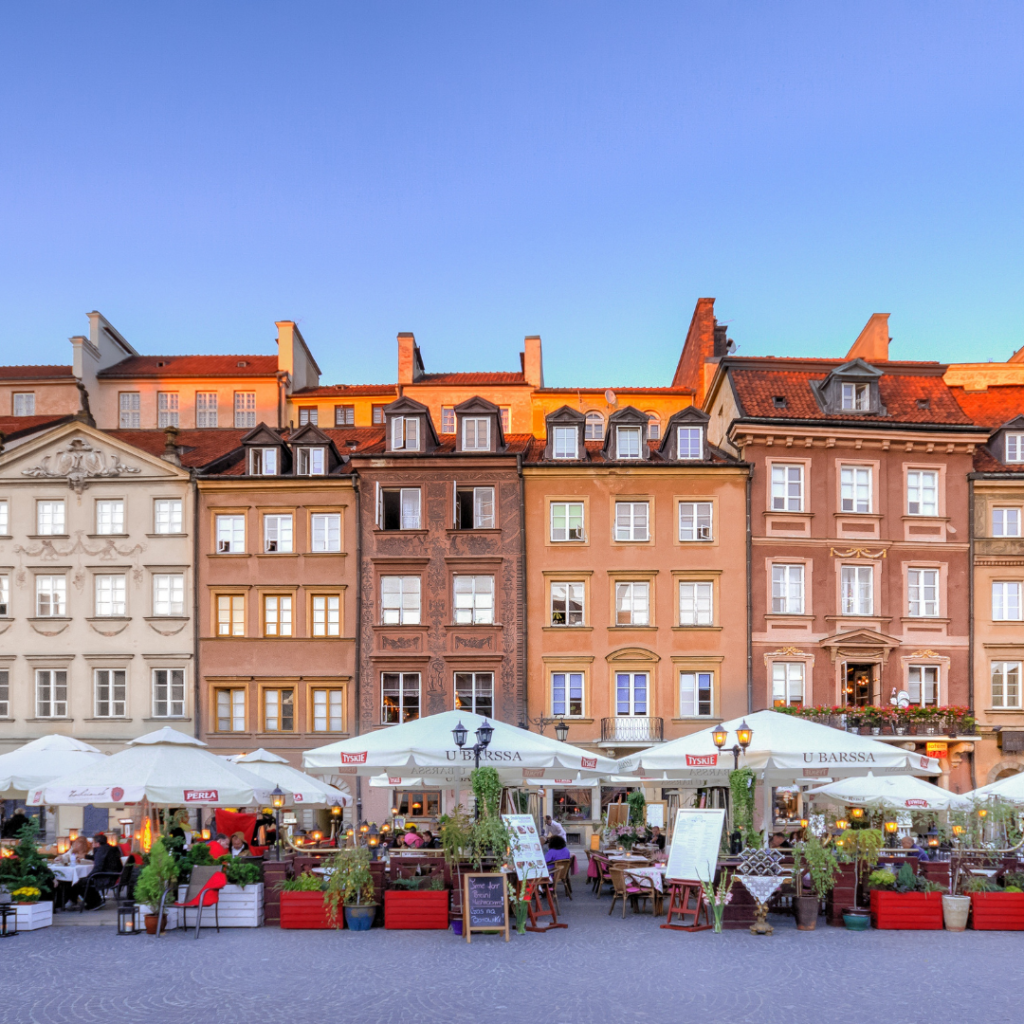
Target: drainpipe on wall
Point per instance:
(359, 627)
(524, 719)
(750, 607)
(196, 700)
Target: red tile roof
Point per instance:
(346, 391)
(994, 407)
(35, 372)
(515, 443)
(192, 366)
(471, 379)
(619, 389)
(15, 426)
(196, 447)
(986, 462)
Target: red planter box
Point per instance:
(403, 909)
(303, 910)
(918, 911)
(997, 911)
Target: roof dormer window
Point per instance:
(565, 442)
(856, 398)
(312, 462)
(263, 462)
(1014, 447)
(690, 443)
(405, 433)
(627, 442)
(476, 433)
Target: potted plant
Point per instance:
(417, 902)
(350, 884)
(874, 717)
(303, 902)
(858, 846)
(818, 862)
(905, 900)
(157, 877)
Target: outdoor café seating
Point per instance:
(204, 891)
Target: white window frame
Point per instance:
(632, 599)
(472, 441)
(312, 461)
(473, 600)
(245, 410)
(922, 492)
(110, 594)
(168, 594)
(1005, 522)
(309, 414)
(1006, 601)
(571, 596)
(166, 409)
(23, 403)
(789, 682)
(344, 415)
(51, 693)
(573, 689)
(855, 490)
(5, 598)
(326, 615)
(410, 507)
(275, 698)
(481, 693)
(206, 410)
(5, 518)
(51, 596)
(923, 593)
(129, 405)
(633, 521)
(110, 688)
(569, 513)
(787, 588)
(856, 581)
(328, 708)
(233, 623)
(447, 419)
(691, 702)
(168, 692)
(400, 600)
(693, 448)
(918, 678)
(408, 683)
(234, 706)
(696, 603)
(696, 522)
(593, 426)
(263, 461)
(167, 515)
(230, 534)
(110, 517)
(278, 533)
(1014, 447)
(637, 706)
(278, 617)
(634, 437)
(51, 518)
(325, 532)
(565, 443)
(856, 397)
(787, 487)
(405, 433)
(1006, 678)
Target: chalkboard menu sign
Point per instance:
(484, 904)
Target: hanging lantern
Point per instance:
(856, 812)
(72, 834)
(891, 826)
(842, 824)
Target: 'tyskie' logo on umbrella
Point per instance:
(359, 758)
(701, 760)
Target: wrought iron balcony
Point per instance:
(632, 729)
(889, 722)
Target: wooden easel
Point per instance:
(680, 895)
(535, 909)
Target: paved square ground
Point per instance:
(601, 970)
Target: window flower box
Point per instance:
(997, 911)
(411, 909)
(34, 915)
(917, 911)
(239, 907)
(303, 910)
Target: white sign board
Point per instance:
(527, 852)
(696, 840)
(655, 815)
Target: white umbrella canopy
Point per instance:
(303, 789)
(166, 768)
(898, 792)
(40, 761)
(1010, 789)
(426, 747)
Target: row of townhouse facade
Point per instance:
(638, 563)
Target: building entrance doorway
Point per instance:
(860, 685)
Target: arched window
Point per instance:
(595, 426)
(653, 426)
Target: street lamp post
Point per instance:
(744, 734)
(277, 802)
(561, 730)
(483, 741)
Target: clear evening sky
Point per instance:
(475, 172)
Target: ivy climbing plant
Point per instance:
(741, 793)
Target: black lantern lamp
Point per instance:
(484, 734)
(857, 812)
(126, 917)
(744, 734)
(373, 841)
(8, 914)
(891, 827)
(561, 730)
(460, 733)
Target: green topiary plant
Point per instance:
(637, 808)
(159, 874)
(28, 868)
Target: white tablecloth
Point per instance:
(626, 858)
(71, 872)
(655, 874)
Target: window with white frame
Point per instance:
(474, 599)
(277, 615)
(51, 693)
(245, 409)
(594, 427)
(5, 519)
(328, 710)
(326, 615)
(400, 697)
(168, 593)
(565, 441)
(567, 604)
(231, 710)
(5, 693)
(24, 403)
(263, 462)
(922, 492)
(230, 535)
(277, 534)
(474, 508)
(399, 600)
(627, 442)
(1005, 522)
(694, 520)
(129, 406)
(856, 398)
(653, 426)
(696, 697)
(51, 596)
(631, 520)
(476, 433)
(206, 409)
(474, 692)
(567, 694)
(1006, 684)
(326, 531)
(1014, 447)
(168, 692)
(5, 595)
(399, 509)
(110, 595)
(857, 583)
(308, 414)
(1006, 605)
(690, 442)
(631, 693)
(566, 520)
(167, 515)
(405, 433)
(230, 615)
(109, 517)
(855, 488)
(787, 488)
(344, 415)
(312, 461)
(632, 604)
(923, 592)
(50, 520)
(110, 692)
(787, 589)
(923, 685)
(279, 710)
(788, 683)
(166, 409)
(696, 603)
(447, 419)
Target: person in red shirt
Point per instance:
(218, 846)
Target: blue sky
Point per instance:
(477, 172)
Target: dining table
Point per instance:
(656, 874)
(71, 873)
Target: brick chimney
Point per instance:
(872, 344)
(701, 344)
(410, 365)
(533, 361)
(170, 452)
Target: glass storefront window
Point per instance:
(573, 804)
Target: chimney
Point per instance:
(170, 453)
(872, 344)
(533, 361)
(701, 344)
(410, 364)
(722, 342)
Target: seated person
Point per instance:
(657, 839)
(412, 838)
(429, 842)
(219, 846)
(76, 854)
(909, 843)
(556, 850)
(239, 847)
(106, 860)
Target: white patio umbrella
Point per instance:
(899, 792)
(1010, 789)
(40, 761)
(304, 790)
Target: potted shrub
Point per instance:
(157, 877)
(31, 913)
(417, 902)
(818, 862)
(858, 846)
(993, 908)
(302, 902)
(350, 884)
(905, 900)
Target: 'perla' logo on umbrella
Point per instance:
(701, 760)
(353, 758)
(842, 757)
(200, 796)
(588, 762)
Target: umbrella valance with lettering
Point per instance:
(305, 790)
(899, 792)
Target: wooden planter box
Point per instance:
(303, 910)
(38, 915)
(239, 908)
(425, 910)
(918, 911)
(996, 911)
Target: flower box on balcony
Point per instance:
(34, 915)
(917, 911)
(997, 911)
(424, 910)
(303, 910)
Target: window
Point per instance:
(1014, 447)
(858, 590)
(474, 508)
(326, 531)
(400, 600)
(627, 442)
(230, 535)
(1005, 522)
(1006, 684)
(595, 427)
(279, 710)
(422, 804)
(50, 518)
(51, 596)
(277, 534)
(474, 692)
(327, 711)
(312, 461)
(109, 698)
(856, 398)
(631, 604)
(110, 593)
(110, 517)
(277, 615)
(567, 604)
(400, 697)
(690, 442)
(169, 593)
(169, 693)
(206, 409)
(51, 693)
(5, 521)
(787, 589)
(5, 693)
(344, 415)
(263, 462)
(399, 509)
(1005, 601)
(788, 683)
(245, 409)
(130, 414)
(476, 433)
(787, 488)
(447, 419)
(167, 409)
(405, 433)
(567, 694)
(653, 426)
(474, 599)
(231, 710)
(505, 412)
(564, 446)
(167, 515)
(230, 615)
(922, 492)
(308, 415)
(695, 695)
(566, 520)
(5, 595)
(694, 520)
(631, 693)
(923, 592)
(24, 403)
(377, 415)
(631, 520)
(855, 488)
(326, 615)
(923, 685)
(695, 604)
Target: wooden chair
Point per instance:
(623, 889)
(560, 875)
(604, 876)
(648, 891)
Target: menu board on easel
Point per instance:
(527, 852)
(484, 904)
(696, 840)
(618, 814)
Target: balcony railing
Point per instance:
(632, 729)
(871, 720)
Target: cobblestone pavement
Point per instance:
(599, 969)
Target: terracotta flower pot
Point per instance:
(150, 920)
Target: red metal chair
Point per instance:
(204, 891)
